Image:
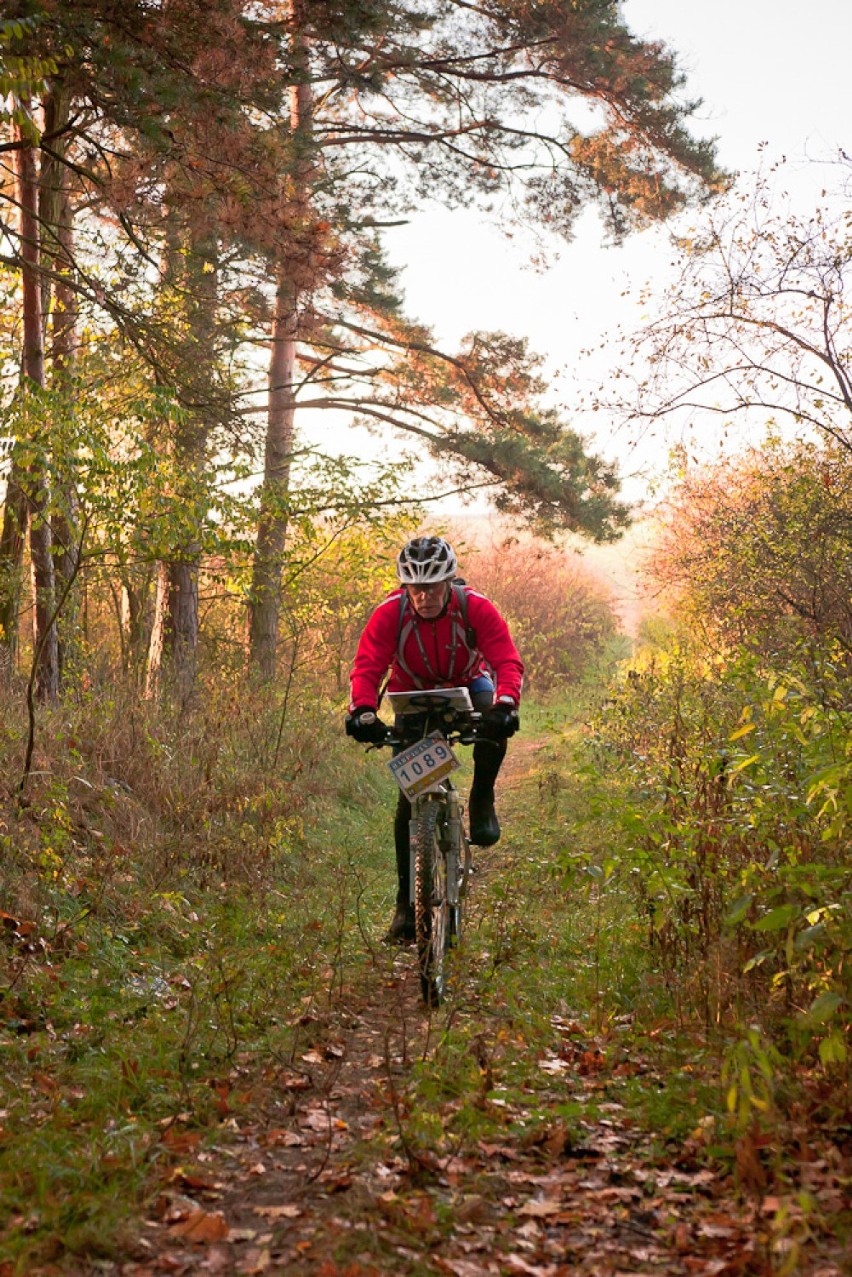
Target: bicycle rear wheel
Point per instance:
(431, 904)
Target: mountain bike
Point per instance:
(427, 725)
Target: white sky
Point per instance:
(774, 79)
(772, 74)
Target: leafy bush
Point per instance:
(736, 825)
(561, 616)
(174, 887)
(758, 549)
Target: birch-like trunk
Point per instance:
(265, 604)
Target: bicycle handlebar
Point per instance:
(462, 734)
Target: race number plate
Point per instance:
(423, 765)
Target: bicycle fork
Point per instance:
(454, 843)
(452, 846)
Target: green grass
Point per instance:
(158, 942)
(556, 959)
(160, 973)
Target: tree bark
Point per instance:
(65, 524)
(265, 609)
(157, 643)
(45, 645)
(56, 215)
(135, 610)
(265, 604)
(12, 539)
(174, 634)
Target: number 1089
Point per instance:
(427, 762)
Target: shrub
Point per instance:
(756, 551)
(736, 824)
(562, 618)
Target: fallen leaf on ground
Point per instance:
(200, 1226)
(505, 1151)
(463, 1268)
(284, 1139)
(540, 1210)
(294, 1082)
(286, 1211)
(320, 1120)
(256, 1261)
(517, 1264)
(553, 1065)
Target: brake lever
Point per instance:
(380, 744)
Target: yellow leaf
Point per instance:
(746, 762)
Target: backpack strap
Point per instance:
(401, 637)
(461, 600)
(404, 630)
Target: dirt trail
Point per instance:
(320, 1176)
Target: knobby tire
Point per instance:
(431, 906)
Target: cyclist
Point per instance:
(432, 632)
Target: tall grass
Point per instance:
(176, 891)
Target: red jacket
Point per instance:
(444, 660)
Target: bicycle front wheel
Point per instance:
(431, 904)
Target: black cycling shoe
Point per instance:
(484, 825)
(401, 930)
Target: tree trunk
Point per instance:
(157, 644)
(52, 192)
(46, 651)
(265, 609)
(265, 605)
(12, 540)
(57, 219)
(174, 634)
(135, 619)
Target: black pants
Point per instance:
(487, 760)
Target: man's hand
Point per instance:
(364, 725)
(499, 722)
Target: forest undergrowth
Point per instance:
(192, 913)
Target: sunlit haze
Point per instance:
(774, 83)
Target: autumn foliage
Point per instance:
(560, 613)
(755, 550)
(729, 732)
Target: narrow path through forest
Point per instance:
(330, 1173)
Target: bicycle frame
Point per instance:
(439, 849)
(454, 846)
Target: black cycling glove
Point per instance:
(499, 722)
(364, 725)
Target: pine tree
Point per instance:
(410, 104)
(230, 167)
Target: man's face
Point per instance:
(428, 600)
